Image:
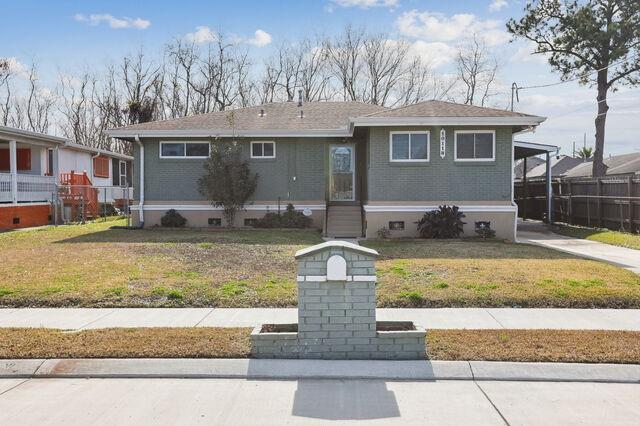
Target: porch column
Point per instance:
(549, 189)
(13, 169)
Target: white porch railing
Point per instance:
(31, 188)
(5, 187)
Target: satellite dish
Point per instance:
(307, 212)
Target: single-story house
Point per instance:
(616, 165)
(34, 167)
(560, 166)
(353, 167)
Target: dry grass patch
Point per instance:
(444, 273)
(619, 347)
(92, 265)
(622, 239)
(125, 343)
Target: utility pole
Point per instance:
(514, 93)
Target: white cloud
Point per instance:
(525, 54)
(18, 68)
(365, 4)
(432, 26)
(260, 38)
(436, 53)
(497, 5)
(202, 35)
(113, 22)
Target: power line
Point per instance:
(515, 89)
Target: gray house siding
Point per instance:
(438, 179)
(299, 158)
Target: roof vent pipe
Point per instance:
(262, 113)
(300, 98)
(301, 114)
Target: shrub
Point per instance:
(446, 222)
(173, 219)
(483, 229)
(383, 233)
(289, 219)
(107, 209)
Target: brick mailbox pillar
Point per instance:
(337, 312)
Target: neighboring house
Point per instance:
(617, 165)
(354, 167)
(560, 166)
(34, 167)
(518, 170)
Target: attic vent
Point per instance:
(301, 114)
(261, 113)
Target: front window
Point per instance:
(475, 146)
(101, 167)
(409, 146)
(184, 149)
(263, 149)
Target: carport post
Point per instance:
(549, 189)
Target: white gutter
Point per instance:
(215, 133)
(141, 205)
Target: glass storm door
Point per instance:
(342, 166)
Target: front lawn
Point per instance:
(622, 239)
(92, 265)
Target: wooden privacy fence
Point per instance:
(608, 202)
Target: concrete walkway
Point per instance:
(539, 234)
(445, 318)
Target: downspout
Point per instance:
(141, 205)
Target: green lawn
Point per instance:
(622, 239)
(92, 265)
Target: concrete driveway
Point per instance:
(239, 401)
(537, 233)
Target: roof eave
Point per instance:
(449, 121)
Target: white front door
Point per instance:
(342, 172)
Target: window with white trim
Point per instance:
(409, 146)
(263, 149)
(184, 149)
(475, 145)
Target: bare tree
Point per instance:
(37, 106)
(386, 65)
(345, 55)
(477, 70)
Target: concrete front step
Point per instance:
(344, 221)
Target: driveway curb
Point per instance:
(318, 369)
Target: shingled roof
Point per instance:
(270, 116)
(321, 119)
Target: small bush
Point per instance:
(483, 229)
(173, 219)
(446, 222)
(289, 219)
(108, 209)
(383, 233)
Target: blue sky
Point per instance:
(65, 36)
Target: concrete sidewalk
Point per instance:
(538, 234)
(443, 318)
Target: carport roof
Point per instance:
(529, 149)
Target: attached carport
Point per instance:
(524, 150)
